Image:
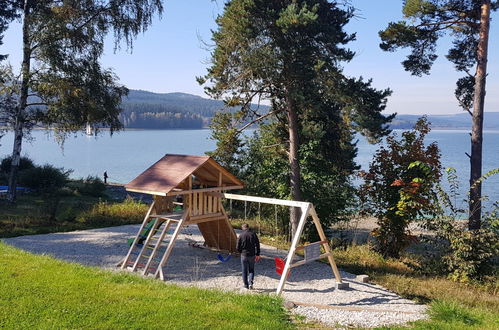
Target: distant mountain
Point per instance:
(457, 121)
(148, 110)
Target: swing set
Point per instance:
(202, 183)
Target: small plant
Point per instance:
(461, 253)
(400, 187)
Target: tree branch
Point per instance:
(36, 103)
(255, 121)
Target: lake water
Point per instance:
(126, 154)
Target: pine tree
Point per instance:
(289, 53)
(426, 21)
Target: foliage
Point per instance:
(7, 14)
(62, 295)
(400, 186)
(289, 53)
(325, 181)
(45, 179)
(36, 214)
(112, 214)
(25, 164)
(461, 254)
(425, 22)
(91, 186)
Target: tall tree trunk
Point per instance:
(21, 107)
(475, 204)
(294, 165)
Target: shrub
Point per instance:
(400, 186)
(45, 179)
(461, 253)
(24, 164)
(91, 186)
(112, 214)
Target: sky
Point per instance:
(175, 49)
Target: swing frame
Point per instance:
(307, 209)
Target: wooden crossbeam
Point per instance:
(191, 191)
(265, 200)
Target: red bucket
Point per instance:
(279, 265)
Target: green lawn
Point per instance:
(41, 292)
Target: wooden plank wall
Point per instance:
(203, 204)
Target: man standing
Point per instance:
(249, 247)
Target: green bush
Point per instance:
(91, 186)
(24, 164)
(400, 186)
(471, 253)
(45, 179)
(460, 253)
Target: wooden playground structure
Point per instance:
(189, 190)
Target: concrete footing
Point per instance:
(342, 286)
(362, 278)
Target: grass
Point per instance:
(452, 305)
(41, 292)
(31, 214)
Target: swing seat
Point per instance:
(279, 265)
(222, 259)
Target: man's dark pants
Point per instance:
(248, 267)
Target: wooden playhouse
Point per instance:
(186, 191)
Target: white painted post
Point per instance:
(292, 250)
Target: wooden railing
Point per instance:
(203, 203)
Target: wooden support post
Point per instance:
(171, 244)
(137, 237)
(189, 183)
(292, 249)
(326, 246)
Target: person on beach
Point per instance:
(249, 247)
(105, 177)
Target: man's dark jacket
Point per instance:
(248, 244)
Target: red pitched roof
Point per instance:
(169, 172)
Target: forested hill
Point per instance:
(144, 109)
(457, 121)
(150, 110)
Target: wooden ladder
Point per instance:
(150, 256)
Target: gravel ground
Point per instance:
(313, 283)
